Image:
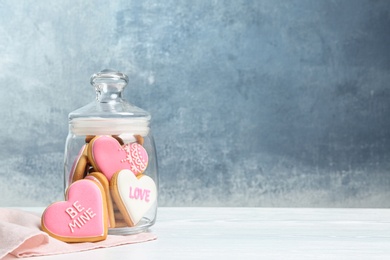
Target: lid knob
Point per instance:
(109, 84)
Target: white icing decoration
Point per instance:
(134, 158)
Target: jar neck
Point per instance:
(108, 92)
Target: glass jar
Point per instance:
(110, 141)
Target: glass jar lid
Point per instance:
(109, 114)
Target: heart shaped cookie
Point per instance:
(134, 195)
(79, 167)
(107, 156)
(102, 180)
(81, 218)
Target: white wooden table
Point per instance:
(258, 233)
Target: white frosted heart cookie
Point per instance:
(134, 195)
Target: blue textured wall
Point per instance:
(254, 103)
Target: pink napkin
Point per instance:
(20, 236)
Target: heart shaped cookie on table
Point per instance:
(108, 156)
(134, 195)
(82, 217)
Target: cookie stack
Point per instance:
(107, 190)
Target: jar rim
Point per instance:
(109, 126)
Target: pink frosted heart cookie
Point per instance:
(107, 156)
(88, 138)
(81, 218)
(134, 195)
